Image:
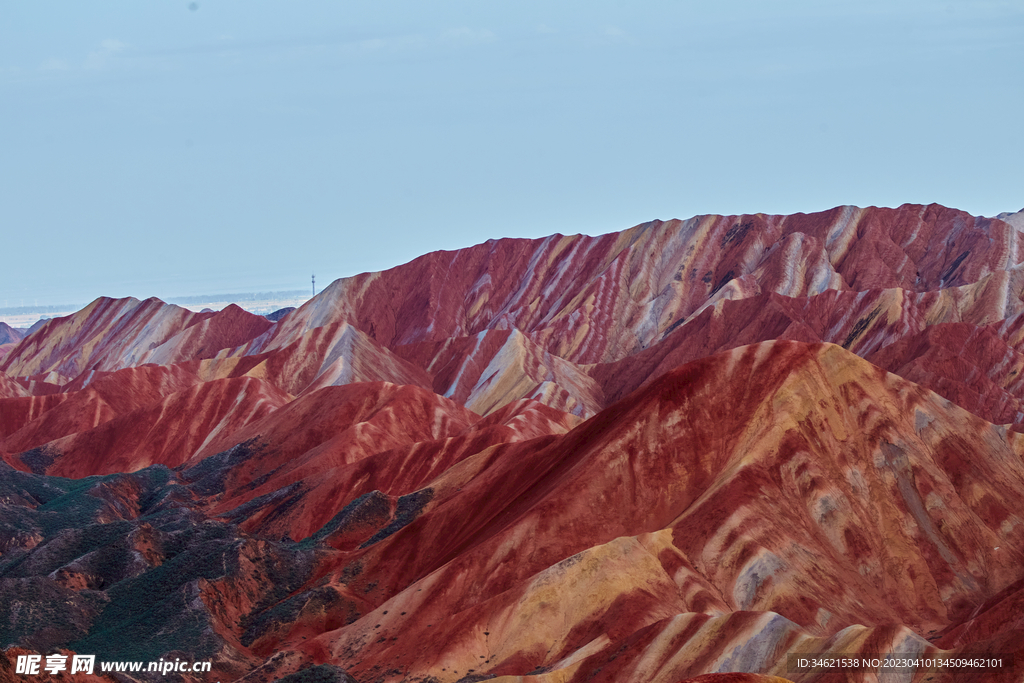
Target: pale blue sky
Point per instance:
(147, 149)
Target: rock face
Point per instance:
(9, 336)
(686, 451)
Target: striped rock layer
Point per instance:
(680, 452)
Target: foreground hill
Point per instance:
(691, 447)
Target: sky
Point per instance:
(182, 148)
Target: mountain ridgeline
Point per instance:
(685, 451)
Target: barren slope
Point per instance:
(686, 448)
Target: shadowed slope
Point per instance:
(321, 440)
(9, 335)
(114, 566)
(8, 338)
(320, 505)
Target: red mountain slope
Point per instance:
(10, 389)
(9, 336)
(880, 325)
(493, 368)
(167, 432)
(592, 299)
(743, 437)
(686, 451)
(108, 334)
(108, 396)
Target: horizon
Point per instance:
(199, 302)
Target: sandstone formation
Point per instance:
(682, 452)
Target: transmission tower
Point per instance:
(314, 284)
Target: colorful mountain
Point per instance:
(9, 336)
(690, 451)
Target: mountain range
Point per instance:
(685, 449)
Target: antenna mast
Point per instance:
(314, 284)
